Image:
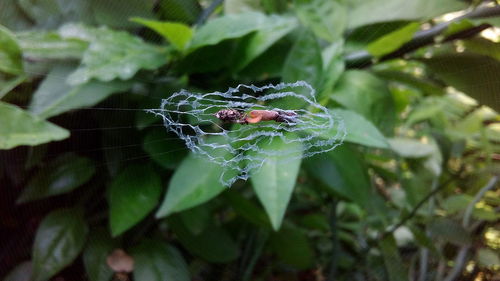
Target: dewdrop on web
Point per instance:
(235, 128)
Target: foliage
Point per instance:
(410, 195)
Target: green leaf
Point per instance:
(304, 60)
(483, 46)
(186, 11)
(134, 192)
(292, 246)
(253, 46)
(326, 18)
(477, 75)
(449, 231)
(411, 148)
(98, 247)
(155, 260)
(275, 180)
(51, 13)
(38, 45)
(58, 241)
(392, 260)
(343, 172)
(229, 27)
(116, 13)
(186, 191)
(9, 82)
(333, 67)
(393, 41)
(22, 272)
(178, 34)
(10, 53)
(61, 175)
(115, 54)
(54, 96)
(27, 129)
(367, 95)
(488, 258)
(214, 244)
(164, 149)
(363, 12)
(359, 130)
(196, 219)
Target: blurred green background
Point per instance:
(94, 188)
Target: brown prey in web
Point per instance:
(255, 116)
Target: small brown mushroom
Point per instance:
(120, 262)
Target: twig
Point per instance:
(461, 257)
(423, 38)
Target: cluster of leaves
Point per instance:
(86, 171)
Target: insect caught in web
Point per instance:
(231, 115)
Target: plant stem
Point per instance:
(362, 59)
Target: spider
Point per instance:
(255, 116)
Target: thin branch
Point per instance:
(208, 11)
(423, 38)
(461, 257)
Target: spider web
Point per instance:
(241, 149)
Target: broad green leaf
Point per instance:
(477, 76)
(359, 130)
(362, 12)
(483, 46)
(449, 231)
(187, 190)
(158, 261)
(178, 34)
(456, 203)
(51, 13)
(292, 246)
(426, 86)
(343, 172)
(164, 149)
(10, 53)
(22, 272)
(21, 128)
(134, 193)
(61, 175)
(241, 6)
(392, 260)
(367, 95)
(116, 13)
(39, 45)
(54, 96)
(186, 11)
(253, 46)
(229, 27)
(333, 67)
(58, 241)
(488, 258)
(213, 244)
(99, 246)
(392, 41)
(116, 54)
(275, 180)
(411, 148)
(326, 18)
(304, 60)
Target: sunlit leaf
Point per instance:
(21, 128)
(10, 53)
(275, 180)
(50, 45)
(54, 96)
(326, 18)
(178, 34)
(392, 41)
